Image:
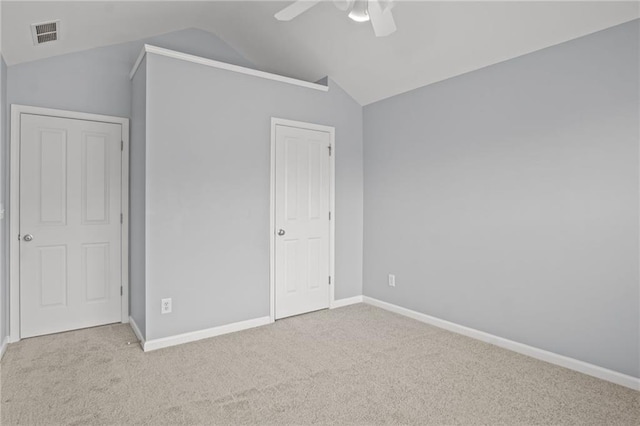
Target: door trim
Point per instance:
(272, 210)
(14, 197)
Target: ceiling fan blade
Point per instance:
(295, 9)
(381, 19)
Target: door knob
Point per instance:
(281, 232)
(28, 237)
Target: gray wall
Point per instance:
(506, 199)
(208, 159)
(137, 281)
(97, 80)
(4, 200)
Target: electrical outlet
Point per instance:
(166, 306)
(392, 280)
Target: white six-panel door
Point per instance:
(70, 224)
(301, 220)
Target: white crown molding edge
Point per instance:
(222, 65)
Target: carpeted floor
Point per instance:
(354, 365)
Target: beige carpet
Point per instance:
(354, 365)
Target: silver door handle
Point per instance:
(28, 237)
(281, 232)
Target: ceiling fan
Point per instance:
(376, 11)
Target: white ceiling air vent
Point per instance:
(45, 32)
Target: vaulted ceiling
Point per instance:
(434, 41)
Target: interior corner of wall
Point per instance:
(323, 81)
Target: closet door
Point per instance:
(302, 220)
(70, 205)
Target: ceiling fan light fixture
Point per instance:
(359, 12)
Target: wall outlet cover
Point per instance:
(166, 306)
(392, 280)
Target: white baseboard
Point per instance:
(346, 302)
(541, 354)
(3, 347)
(165, 342)
(136, 331)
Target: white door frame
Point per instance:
(272, 211)
(14, 197)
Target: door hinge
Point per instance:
(121, 145)
(121, 218)
(329, 279)
(329, 215)
(121, 291)
(329, 150)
